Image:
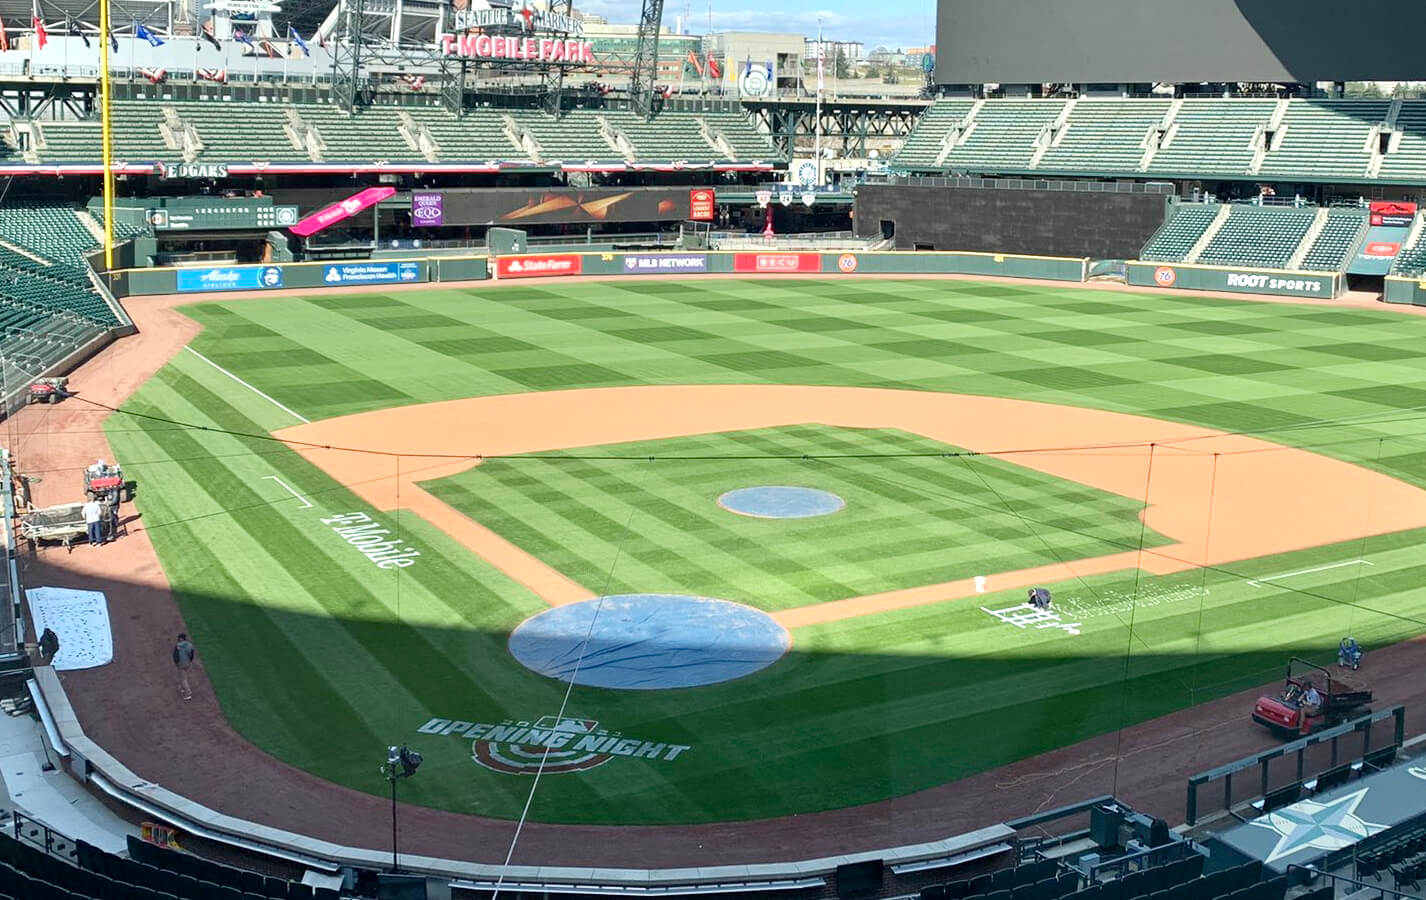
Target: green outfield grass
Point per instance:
(323, 659)
(909, 521)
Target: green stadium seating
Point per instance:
(923, 144)
(1261, 237)
(1325, 139)
(1409, 160)
(1103, 136)
(1002, 139)
(232, 131)
(1212, 137)
(1176, 237)
(1411, 261)
(1337, 241)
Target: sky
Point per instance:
(891, 23)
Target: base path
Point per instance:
(1220, 497)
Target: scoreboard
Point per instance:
(220, 216)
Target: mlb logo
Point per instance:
(575, 726)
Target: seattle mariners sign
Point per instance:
(549, 744)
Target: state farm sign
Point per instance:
(539, 266)
(777, 262)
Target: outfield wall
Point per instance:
(208, 280)
(1184, 277)
(791, 262)
(1405, 290)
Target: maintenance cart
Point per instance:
(1340, 694)
(48, 390)
(62, 524)
(106, 484)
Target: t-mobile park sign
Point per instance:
(528, 49)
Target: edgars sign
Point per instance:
(193, 170)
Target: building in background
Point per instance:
(853, 52)
(750, 55)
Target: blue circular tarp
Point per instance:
(649, 642)
(781, 502)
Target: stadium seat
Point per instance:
(1256, 236)
(933, 892)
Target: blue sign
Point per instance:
(372, 273)
(665, 262)
(232, 278)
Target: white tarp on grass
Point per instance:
(80, 620)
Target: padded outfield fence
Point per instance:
(208, 281)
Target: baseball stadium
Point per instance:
(473, 449)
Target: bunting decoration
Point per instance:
(218, 75)
(157, 76)
(416, 82)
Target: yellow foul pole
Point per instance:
(108, 148)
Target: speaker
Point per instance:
(1104, 822)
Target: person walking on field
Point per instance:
(94, 521)
(183, 655)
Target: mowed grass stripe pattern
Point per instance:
(318, 656)
(909, 520)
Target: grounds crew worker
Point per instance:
(183, 655)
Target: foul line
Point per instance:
(210, 362)
(1259, 582)
(306, 504)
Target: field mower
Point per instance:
(1312, 698)
(48, 390)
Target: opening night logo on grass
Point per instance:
(517, 748)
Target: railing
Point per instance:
(1306, 874)
(37, 834)
(1034, 184)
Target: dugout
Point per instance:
(1098, 220)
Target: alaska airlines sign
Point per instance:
(545, 50)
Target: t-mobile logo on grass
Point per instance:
(366, 534)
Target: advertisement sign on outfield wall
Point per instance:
(539, 266)
(229, 278)
(637, 263)
(777, 262)
(371, 273)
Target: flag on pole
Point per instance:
(242, 37)
(4, 38)
(144, 34)
(692, 63)
(41, 36)
(271, 49)
(712, 66)
(821, 54)
(207, 34)
(297, 39)
(113, 41)
(73, 30)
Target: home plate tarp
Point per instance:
(80, 620)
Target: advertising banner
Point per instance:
(519, 207)
(640, 263)
(229, 278)
(777, 262)
(328, 216)
(1392, 213)
(1196, 278)
(701, 203)
(1378, 251)
(427, 210)
(371, 273)
(539, 266)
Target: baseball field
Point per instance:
(720, 549)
